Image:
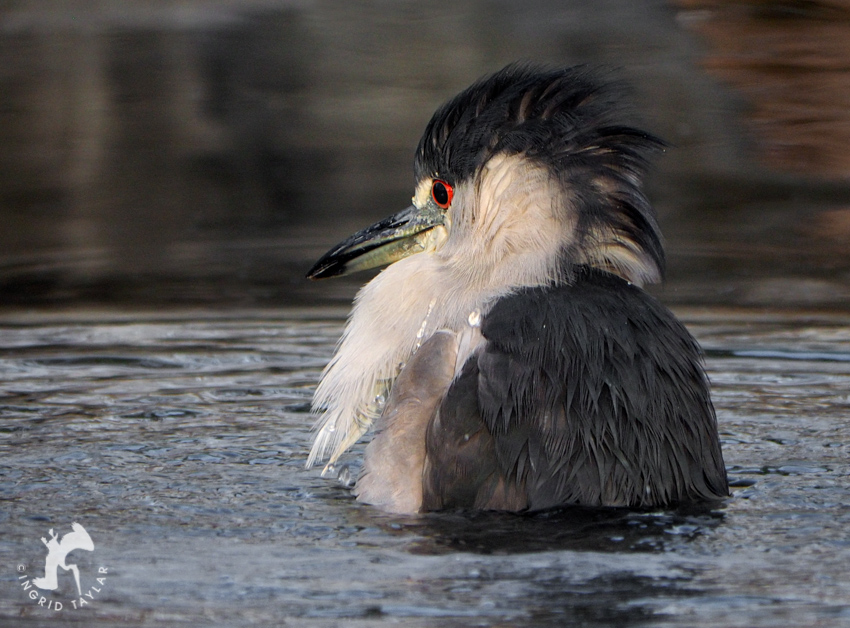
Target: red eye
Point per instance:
(442, 193)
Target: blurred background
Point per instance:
(203, 153)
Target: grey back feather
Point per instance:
(590, 394)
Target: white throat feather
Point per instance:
(504, 231)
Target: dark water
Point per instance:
(178, 442)
(205, 152)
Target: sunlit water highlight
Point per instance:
(179, 443)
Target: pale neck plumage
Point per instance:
(392, 315)
(503, 232)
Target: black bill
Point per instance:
(385, 242)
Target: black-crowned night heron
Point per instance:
(508, 353)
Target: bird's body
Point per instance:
(509, 356)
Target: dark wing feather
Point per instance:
(590, 394)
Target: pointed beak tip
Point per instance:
(324, 271)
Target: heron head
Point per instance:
(537, 169)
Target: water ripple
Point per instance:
(181, 445)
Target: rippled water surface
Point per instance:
(179, 442)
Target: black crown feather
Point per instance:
(568, 120)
